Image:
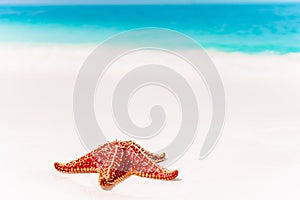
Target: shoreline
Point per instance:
(92, 46)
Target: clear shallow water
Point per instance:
(250, 28)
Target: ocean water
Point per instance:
(250, 28)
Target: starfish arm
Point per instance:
(141, 165)
(89, 163)
(165, 175)
(155, 157)
(137, 148)
(84, 164)
(114, 169)
(116, 177)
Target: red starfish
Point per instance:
(117, 160)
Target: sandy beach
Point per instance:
(257, 156)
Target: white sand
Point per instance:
(258, 156)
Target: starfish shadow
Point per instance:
(177, 179)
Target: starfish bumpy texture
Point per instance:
(117, 160)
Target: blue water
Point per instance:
(250, 28)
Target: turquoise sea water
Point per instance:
(250, 28)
